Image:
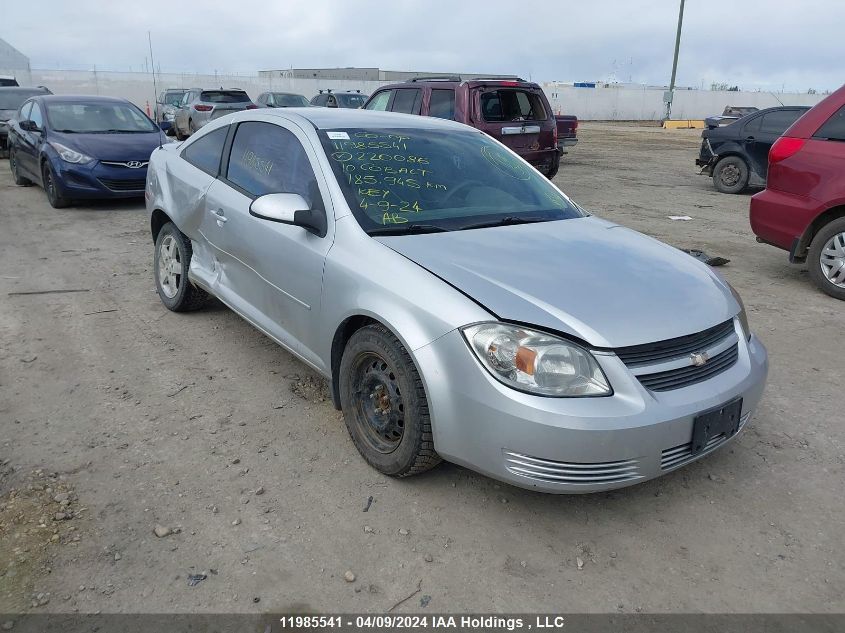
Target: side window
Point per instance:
(204, 153)
(834, 128)
(752, 126)
(331, 101)
(35, 115)
(407, 101)
(267, 158)
(23, 113)
(187, 98)
(442, 104)
(776, 122)
(380, 101)
(320, 100)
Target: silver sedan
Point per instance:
(460, 305)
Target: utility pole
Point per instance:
(671, 92)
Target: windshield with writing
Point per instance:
(441, 179)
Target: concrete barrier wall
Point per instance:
(603, 104)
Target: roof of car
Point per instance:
(334, 118)
(33, 89)
(81, 99)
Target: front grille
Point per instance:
(136, 184)
(685, 376)
(128, 164)
(653, 353)
(681, 454)
(570, 472)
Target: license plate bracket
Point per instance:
(710, 424)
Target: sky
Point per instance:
(793, 45)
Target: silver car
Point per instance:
(167, 103)
(461, 306)
(198, 107)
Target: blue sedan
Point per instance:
(82, 147)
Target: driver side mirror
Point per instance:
(29, 126)
(289, 208)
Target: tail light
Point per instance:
(203, 108)
(785, 147)
(252, 106)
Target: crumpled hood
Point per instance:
(593, 279)
(116, 147)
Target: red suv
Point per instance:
(513, 111)
(802, 209)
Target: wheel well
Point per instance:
(158, 219)
(831, 214)
(732, 153)
(343, 333)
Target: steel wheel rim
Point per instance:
(730, 175)
(379, 406)
(169, 266)
(832, 260)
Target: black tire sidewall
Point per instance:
(179, 300)
(814, 258)
(14, 167)
(376, 339)
(741, 184)
(55, 198)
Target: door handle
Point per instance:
(218, 215)
(749, 139)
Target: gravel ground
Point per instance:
(119, 418)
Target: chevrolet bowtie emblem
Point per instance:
(699, 358)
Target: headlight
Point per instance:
(742, 316)
(536, 362)
(70, 155)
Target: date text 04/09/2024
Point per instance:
(423, 622)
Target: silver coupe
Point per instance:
(459, 304)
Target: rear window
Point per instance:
(12, 99)
(224, 96)
(205, 151)
(512, 105)
(834, 128)
(350, 101)
(285, 100)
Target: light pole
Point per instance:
(671, 92)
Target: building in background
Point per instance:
(14, 63)
(364, 74)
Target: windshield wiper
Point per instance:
(67, 131)
(406, 229)
(507, 220)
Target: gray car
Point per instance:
(461, 306)
(281, 100)
(167, 103)
(198, 107)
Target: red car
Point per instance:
(802, 209)
(513, 111)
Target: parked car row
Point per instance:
(181, 112)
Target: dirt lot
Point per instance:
(133, 417)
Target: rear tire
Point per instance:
(730, 175)
(172, 260)
(13, 166)
(48, 180)
(826, 259)
(384, 404)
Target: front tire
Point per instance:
(48, 179)
(384, 404)
(730, 175)
(171, 263)
(826, 259)
(15, 168)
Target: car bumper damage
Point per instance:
(580, 445)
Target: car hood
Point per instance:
(117, 147)
(587, 277)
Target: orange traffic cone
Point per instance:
(148, 109)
